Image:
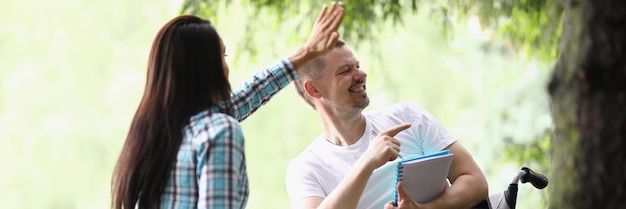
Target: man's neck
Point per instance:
(341, 129)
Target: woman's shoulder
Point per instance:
(211, 118)
(208, 124)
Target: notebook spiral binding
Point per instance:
(398, 179)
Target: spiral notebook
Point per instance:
(423, 177)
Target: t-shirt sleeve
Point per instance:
(301, 183)
(431, 134)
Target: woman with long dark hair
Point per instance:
(185, 147)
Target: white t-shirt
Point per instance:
(322, 165)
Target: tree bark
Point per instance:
(588, 92)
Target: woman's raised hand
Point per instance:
(322, 38)
(324, 33)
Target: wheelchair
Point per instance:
(507, 199)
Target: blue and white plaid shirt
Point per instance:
(210, 170)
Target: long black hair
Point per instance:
(185, 76)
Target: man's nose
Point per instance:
(360, 74)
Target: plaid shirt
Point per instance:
(210, 170)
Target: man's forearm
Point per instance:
(465, 192)
(350, 189)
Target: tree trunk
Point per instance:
(588, 91)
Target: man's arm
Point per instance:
(469, 185)
(310, 203)
(347, 194)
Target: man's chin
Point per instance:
(363, 104)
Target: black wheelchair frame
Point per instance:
(508, 198)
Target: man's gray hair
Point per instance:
(314, 72)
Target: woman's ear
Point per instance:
(310, 88)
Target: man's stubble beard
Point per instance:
(358, 108)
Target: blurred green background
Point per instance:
(72, 73)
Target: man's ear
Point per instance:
(310, 87)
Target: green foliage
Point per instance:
(530, 26)
(357, 26)
(536, 32)
(533, 153)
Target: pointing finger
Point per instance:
(396, 129)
